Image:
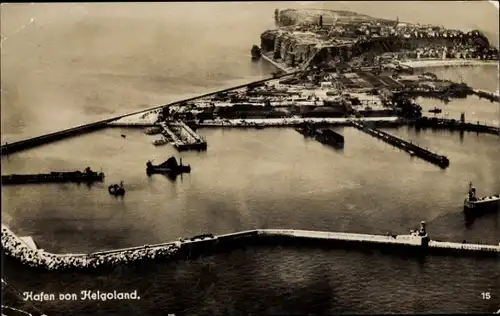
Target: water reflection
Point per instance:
(173, 176)
(469, 219)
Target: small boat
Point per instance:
(124, 136)
(160, 142)
(256, 53)
(435, 110)
(116, 189)
(168, 167)
(153, 130)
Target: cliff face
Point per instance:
(294, 48)
(288, 17)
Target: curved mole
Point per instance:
(416, 241)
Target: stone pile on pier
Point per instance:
(15, 247)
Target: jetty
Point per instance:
(87, 176)
(182, 136)
(492, 96)
(417, 242)
(453, 125)
(412, 149)
(9, 148)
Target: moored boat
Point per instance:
(256, 53)
(153, 130)
(87, 176)
(160, 142)
(307, 129)
(116, 189)
(168, 167)
(328, 136)
(436, 110)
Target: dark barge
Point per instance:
(328, 136)
(200, 146)
(307, 129)
(325, 136)
(87, 176)
(435, 110)
(169, 167)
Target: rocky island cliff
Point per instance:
(308, 37)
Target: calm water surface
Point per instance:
(78, 63)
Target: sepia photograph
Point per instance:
(250, 158)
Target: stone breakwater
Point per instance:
(15, 247)
(417, 242)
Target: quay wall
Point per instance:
(293, 122)
(131, 125)
(15, 247)
(10, 148)
(280, 66)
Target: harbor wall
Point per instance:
(131, 125)
(391, 121)
(452, 125)
(16, 248)
(10, 148)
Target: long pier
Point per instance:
(10, 148)
(492, 96)
(412, 149)
(17, 146)
(418, 242)
(453, 125)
